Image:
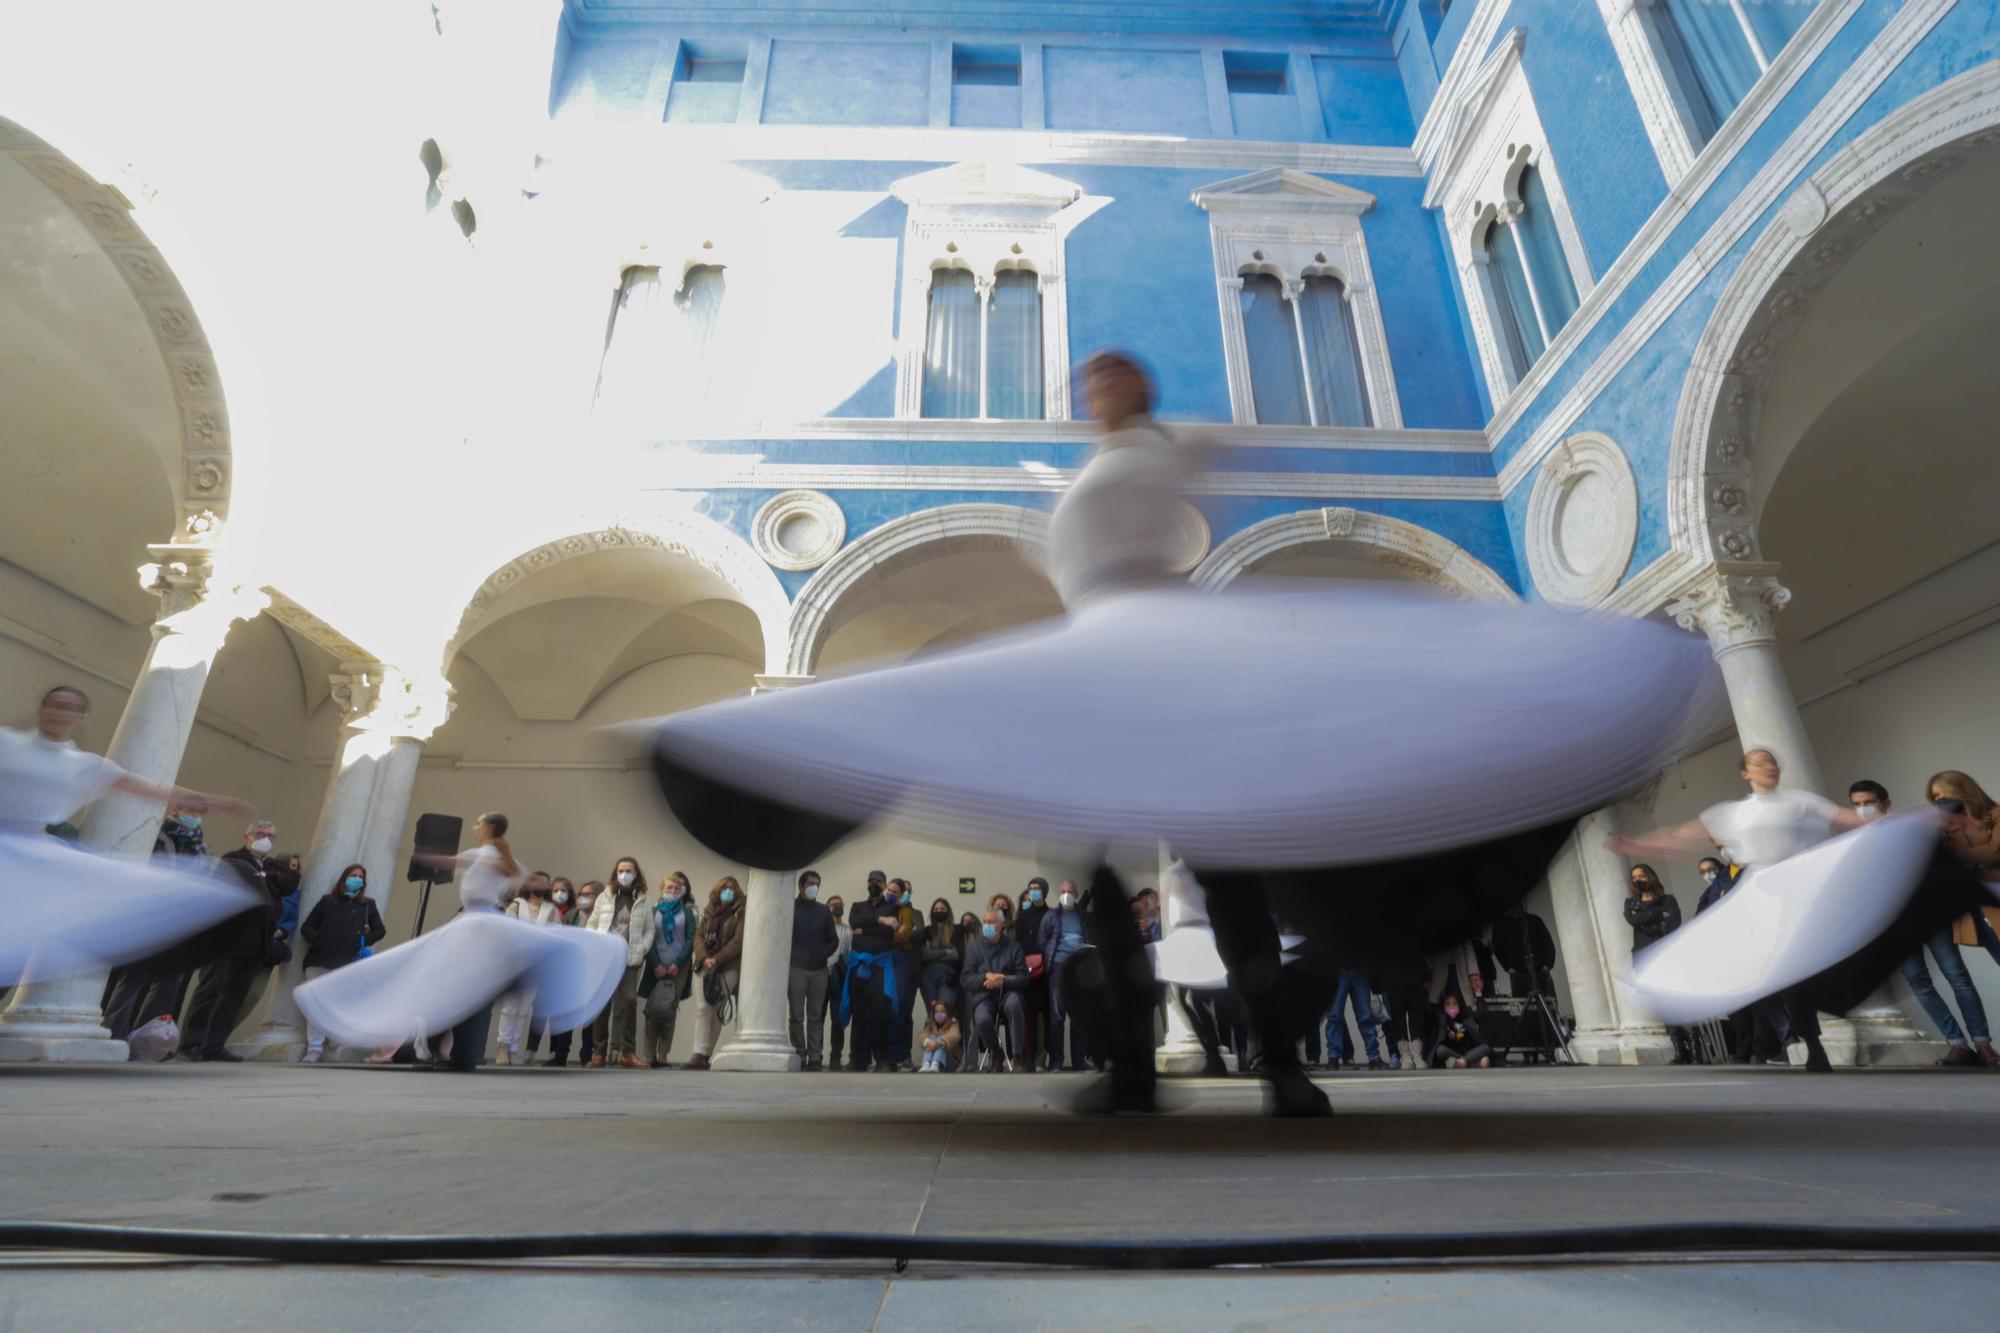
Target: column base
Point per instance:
(1180, 1057)
(1877, 1038)
(1629, 1046)
(274, 1050)
(756, 1053)
(63, 1050)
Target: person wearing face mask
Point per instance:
(995, 976)
(624, 910)
(1060, 935)
(1971, 1045)
(814, 941)
(1653, 914)
(869, 991)
(1459, 1043)
(1716, 880)
(903, 958)
(342, 927)
(1027, 928)
(836, 981)
(533, 906)
(940, 1042)
(718, 954)
(224, 986)
(941, 958)
(672, 954)
(562, 897)
(575, 903)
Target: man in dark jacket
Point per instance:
(996, 977)
(261, 937)
(1028, 934)
(814, 940)
(865, 999)
(1062, 934)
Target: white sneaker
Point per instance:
(310, 1058)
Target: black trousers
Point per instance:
(836, 977)
(139, 996)
(868, 1009)
(217, 1005)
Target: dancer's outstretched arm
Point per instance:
(1692, 836)
(199, 802)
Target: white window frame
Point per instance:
(985, 218)
(1494, 133)
(1295, 226)
(1663, 103)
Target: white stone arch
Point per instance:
(201, 490)
(1823, 222)
(1422, 553)
(701, 540)
(895, 545)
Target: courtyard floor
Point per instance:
(346, 1149)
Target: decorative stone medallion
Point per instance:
(1583, 520)
(798, 530)
(1191, 537)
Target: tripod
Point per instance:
(1542, 1006)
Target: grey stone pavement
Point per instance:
(367, 1150)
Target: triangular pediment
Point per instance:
(1276, 189)
(993, 184)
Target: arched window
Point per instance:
(1014, 342)
(1718, 51)
(663, 349)
(983, 347)
(1305, 359)
(1271, 340)
(952, 346)
(1533, 294)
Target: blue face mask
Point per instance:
(353, 884)
(1034, 895)
(990, 931)
(191, 821)
(729, 895)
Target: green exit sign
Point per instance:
(967, 884)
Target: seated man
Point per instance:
(994, 977)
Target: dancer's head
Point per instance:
(491, 829)
(808, 885)
(1116, 388)
(61, 711)
(625, 873)
(1952, 785)
(1868, 798)
(1760, 770)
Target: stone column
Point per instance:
(1180, 1050)
(386, 718)
(1588, 884)
(1735, 608)
(62, 1019)
(762, 1042)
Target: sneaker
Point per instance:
(905, 1067)
(309, 1058)
(1377, 1064)
(191, 1055)
(697, 1061)
(1960, 1055)
(555, 1062)
(223, 1057)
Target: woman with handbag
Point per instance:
(666, 963)
(718, 955)
(342, 928)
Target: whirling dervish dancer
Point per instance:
(431, 985)
(1379, 768)
(66, 908)
(1827, 905)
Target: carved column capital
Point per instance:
(1734, 608)
(387, 701)
(194, 597)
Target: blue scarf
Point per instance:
(863, 965)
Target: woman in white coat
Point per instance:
(624, 910)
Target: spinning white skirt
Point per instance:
(1250, 729)
(1786, 922)
(67, 909)
(437, 981)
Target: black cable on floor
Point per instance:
(1568, 1242)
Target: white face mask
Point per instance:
(1868, 811)
(261, 846)
(672, 893)
(625, 878)
(562, 895)
(1709, 876)
(1069, 900)
(812, 892)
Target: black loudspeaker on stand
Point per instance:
(437, 836)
